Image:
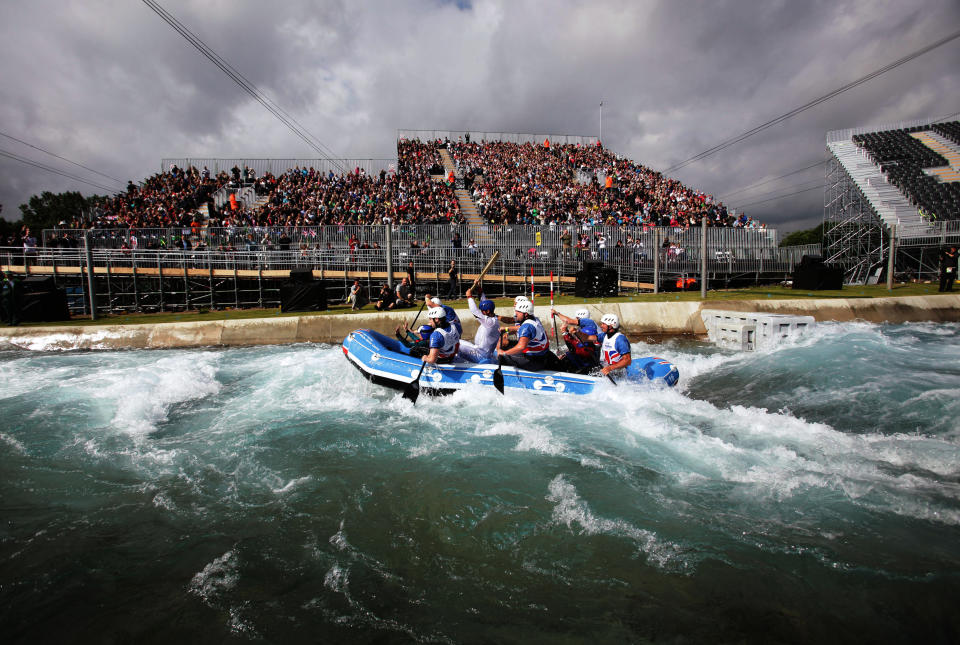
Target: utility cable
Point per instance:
(80, 165)
(773, 199)
(818, 182)
(245, 84)
(757, 185)
(36, 164)
(235, 75)
(826, 97)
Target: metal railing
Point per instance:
(848, 133)
(424, 239)
(246, 195)
(732, 254)
(279, 166)
(175, 279)
(506, 137)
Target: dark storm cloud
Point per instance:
(110, 85)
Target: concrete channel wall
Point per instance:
(652, 319)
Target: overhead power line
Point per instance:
(79, 165)
(826, 97)
(757, 185)
(778, 197)
(245, 84)
(778, 191)
(37, 164)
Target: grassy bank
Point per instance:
(752, 293)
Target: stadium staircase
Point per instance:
(947, 149)
(893, 208)
(468, 208)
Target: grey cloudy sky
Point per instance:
(109, 85)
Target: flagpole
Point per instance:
(601, 122)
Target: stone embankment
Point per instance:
(652, 319)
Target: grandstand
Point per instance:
(901, 180)
(225, 232)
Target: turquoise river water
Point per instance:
(809, 493)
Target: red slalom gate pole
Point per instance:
(532, 294)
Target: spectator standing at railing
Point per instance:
(412, 277)
(948, 268)
(29, 247)
(453, 284)
(602, 247)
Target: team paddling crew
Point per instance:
(580, 336)
(484, 346)
(452, 316)
(444, 339)
(614, 346)
(532, 351)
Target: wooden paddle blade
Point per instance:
(493, 258)
(498, 379)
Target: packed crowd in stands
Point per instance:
(540, 184)
(559, 184)
(306, 197)
(169, 198)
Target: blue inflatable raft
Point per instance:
(387, 361)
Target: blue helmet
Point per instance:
(589, 330)
(425, 331)
(487, 306)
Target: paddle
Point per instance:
(498, 374)
(611, 379)
(493, 258)
(418, 314)
(498, 379)
(412, 390)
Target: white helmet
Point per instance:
(524, 306)
(436, 301)
(611, 320)
(582, 313)
(519, 299)
(436, 312)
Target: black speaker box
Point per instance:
(38, 283)
(303, 296)
(301, 274)
(596, 281)
(44, 306)
(813, 275)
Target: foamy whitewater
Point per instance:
(809, 493)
